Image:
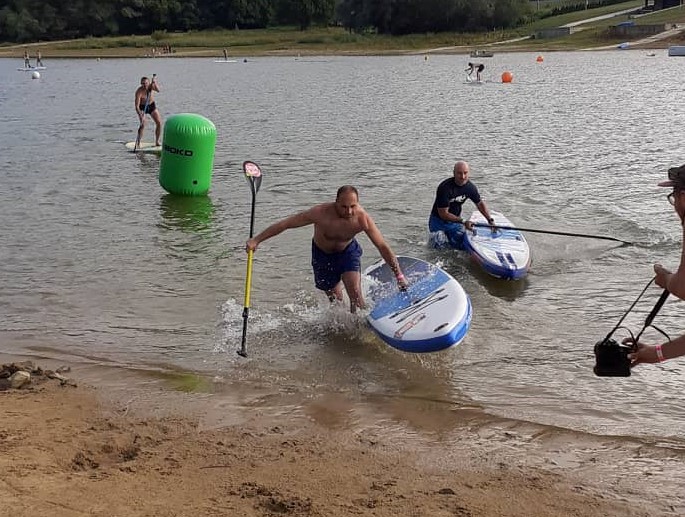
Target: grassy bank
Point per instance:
(336, 40)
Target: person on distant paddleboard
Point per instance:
(674, 283)
(445, 216)
(336, 254)
(145, 105)
(27, 60)
(225, 55)
(39, 61)
(477, 67)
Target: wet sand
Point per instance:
(93, 450)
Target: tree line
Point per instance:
(44, 20)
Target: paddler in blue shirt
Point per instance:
(336, 254)
(445, 222)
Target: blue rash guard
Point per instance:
(329, 267)
(451, 196)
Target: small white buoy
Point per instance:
(35, 75)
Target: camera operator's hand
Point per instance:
(663, 276)
(643, 354)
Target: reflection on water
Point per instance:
(148, 162)
(188, 231)
(192, 214)
(467, 272)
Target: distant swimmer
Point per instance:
(145, 105)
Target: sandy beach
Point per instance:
(76, 450)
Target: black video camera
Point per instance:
(611, 358)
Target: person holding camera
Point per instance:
(674, 283)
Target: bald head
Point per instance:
(346, 189)
(347, 202)
(461, 172)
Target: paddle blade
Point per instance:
(253, 173)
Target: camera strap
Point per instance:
(650, 317)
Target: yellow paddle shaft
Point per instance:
(248, 279)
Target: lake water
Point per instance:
(100, 266)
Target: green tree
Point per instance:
(19, 26)
(304, 12)
(355, 15)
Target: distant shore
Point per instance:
(590, 31)
(48, 52)
(322, 42)
(136, 53)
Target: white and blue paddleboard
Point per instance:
(503, 253)
(31, 68)
(433, 314)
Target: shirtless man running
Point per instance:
(146, 105)
(336, 254)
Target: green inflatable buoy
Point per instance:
(187, 155)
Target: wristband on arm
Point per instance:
(659, 353)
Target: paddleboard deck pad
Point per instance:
(433, 314)
(144, 147)
(503, 253)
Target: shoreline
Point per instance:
(294, 55)
(51, 50)
(137, 448)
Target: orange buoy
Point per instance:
(507, 77)
(540, 59)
